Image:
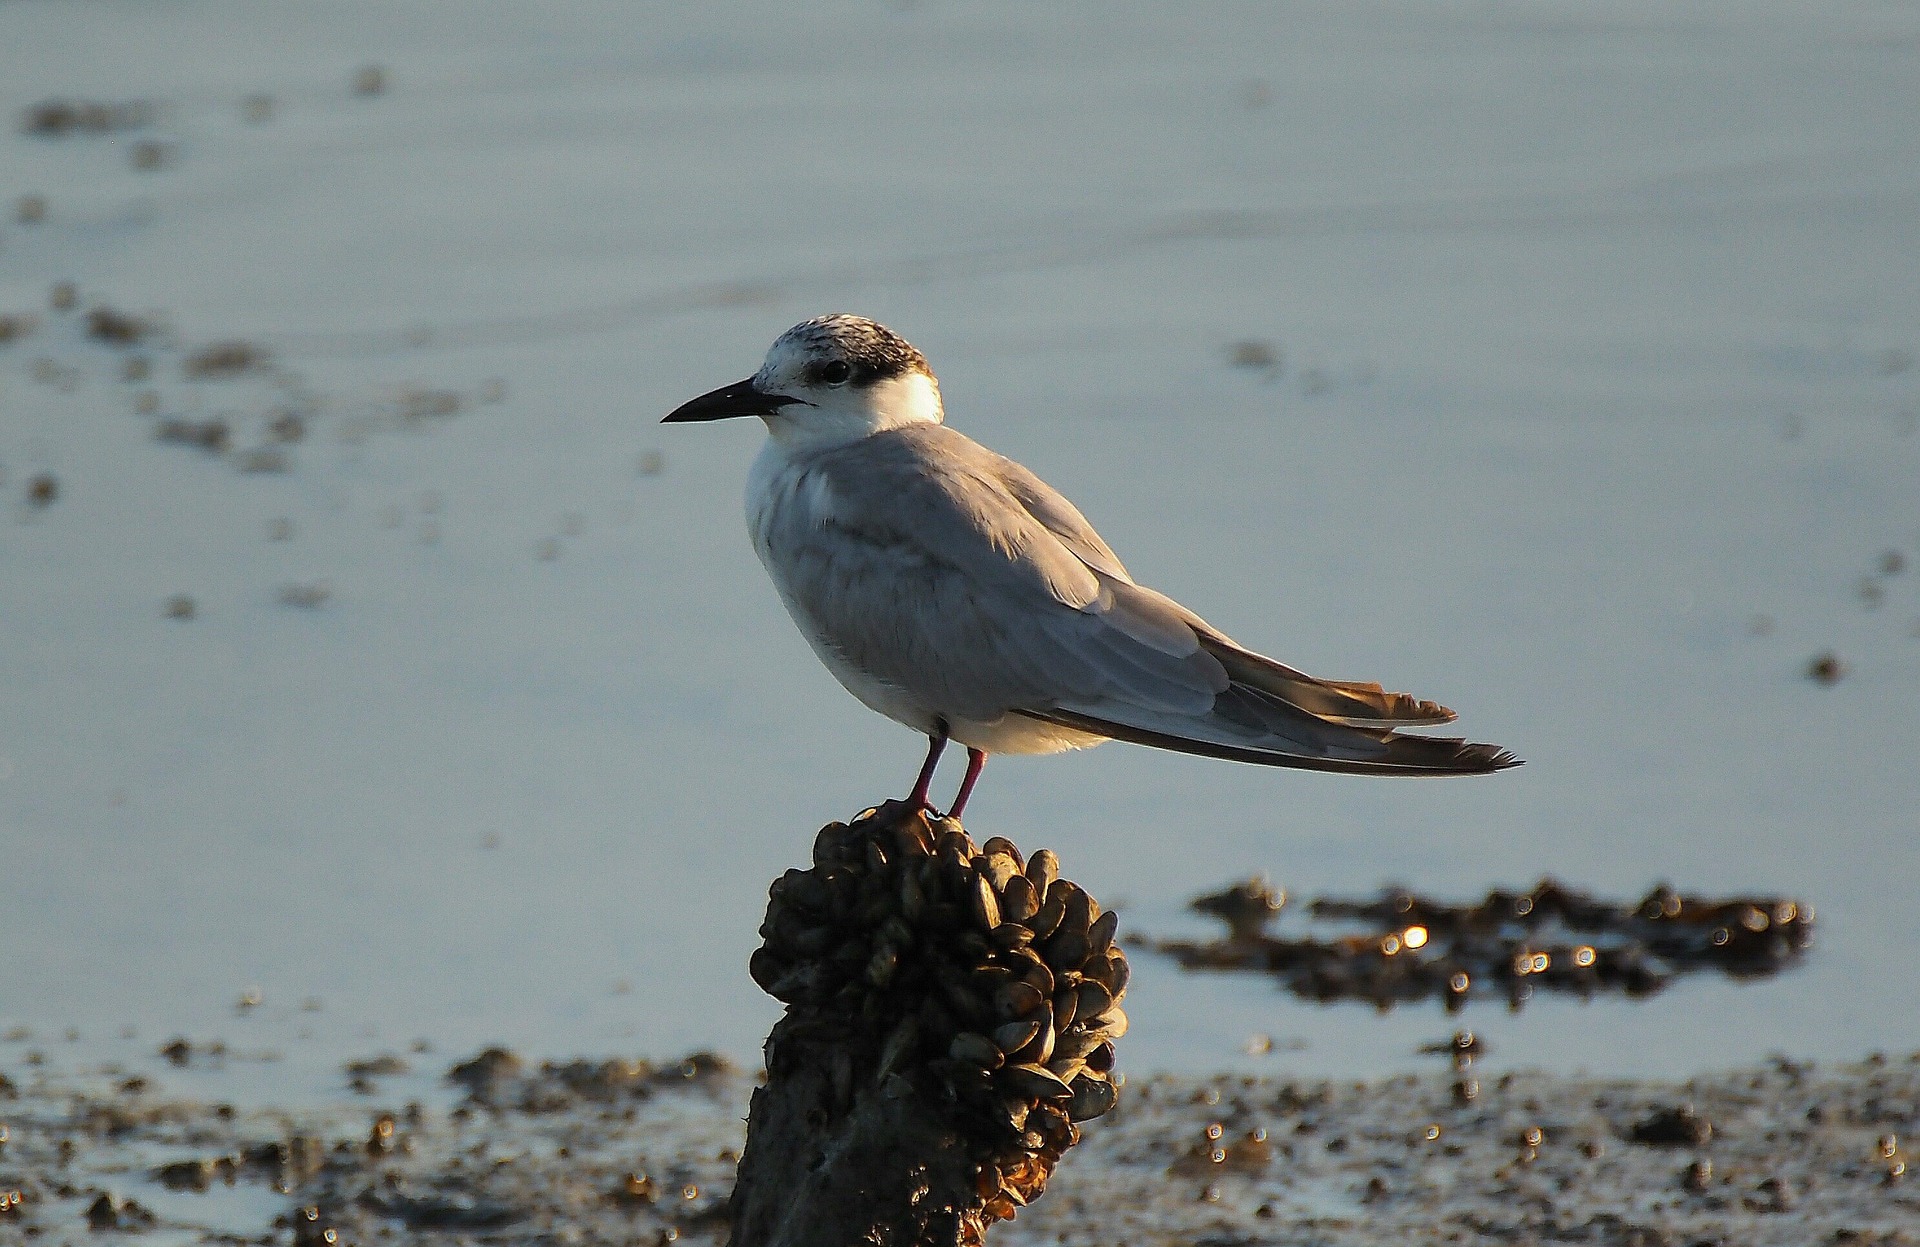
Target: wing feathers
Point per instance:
(1398, 755)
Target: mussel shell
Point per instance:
(1066, 1068)
(987, 980)
(1038, 1049)
(976, 1050)
(1000, 867)
(915, 838)
(1091, 1098)
(1066, 1003)
(1067, 946)
(1076, 1045)
(899, 1047)
(1043, 868)
(1010, 935)
(1046, 919)
(1031, 966)
(1013, 1036)
(913, 899)
(986, 903)
(1018, 999)
(1018, 899)
(1100, 935)
(1000, 844)
(953, 839)
(1034, 1080)
(1110, 1025)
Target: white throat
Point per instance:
(841, 417)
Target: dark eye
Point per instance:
(834, 372)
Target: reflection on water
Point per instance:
(1401, 946)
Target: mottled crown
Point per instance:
(874, 352)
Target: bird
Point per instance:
(952, 590)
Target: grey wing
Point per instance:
(918, 566)
(1013, 604)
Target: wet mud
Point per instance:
(615, 1150)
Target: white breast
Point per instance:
(783, 495)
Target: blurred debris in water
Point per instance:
(224, 359)
(1401, 947)
(1826, 667)
(1246, 907)
(57, 118)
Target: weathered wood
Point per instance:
(888, 1167)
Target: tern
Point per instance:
(952, 590)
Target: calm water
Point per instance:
(1592, 415)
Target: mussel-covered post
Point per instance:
(951, 1012)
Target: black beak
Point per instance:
(738, 399)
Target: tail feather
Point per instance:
(1351, 702)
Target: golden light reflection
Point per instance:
(1415, 937)
(1583, 956)
(1390, 945)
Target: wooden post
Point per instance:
(951, 1012)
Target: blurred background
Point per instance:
(376, 672)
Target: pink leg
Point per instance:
(934, 745)
(976, 762)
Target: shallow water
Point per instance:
(1593, 415)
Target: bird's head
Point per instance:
(829, 380)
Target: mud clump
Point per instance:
(498, 1078)
(1672, 1127)
(1401, 947)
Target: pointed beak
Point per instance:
(738, 399)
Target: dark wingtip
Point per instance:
(1439, 755)
(1503, 759)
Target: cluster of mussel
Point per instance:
(926, 956)
(1400, 946)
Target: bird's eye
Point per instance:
(834, 372)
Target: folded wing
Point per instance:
(958, 574)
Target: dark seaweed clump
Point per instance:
(1401, 946)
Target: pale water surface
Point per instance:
(1594, 414)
